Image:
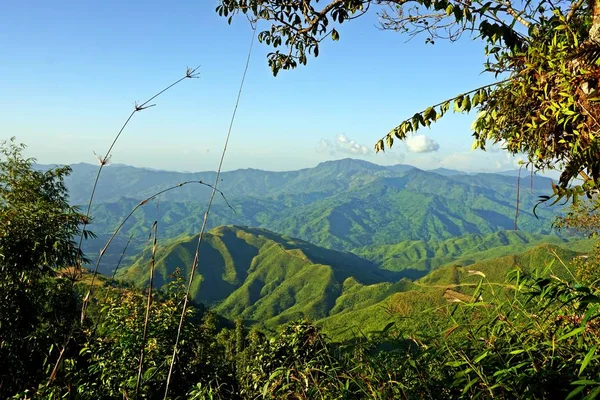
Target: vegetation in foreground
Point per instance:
(533, 336)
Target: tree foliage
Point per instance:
(37, 309)
(543, 54)
(37, 224)
(583, 218)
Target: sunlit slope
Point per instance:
(267, 278)
(425, 298)
(261, 276)
(423, 256)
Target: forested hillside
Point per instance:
(267, 279)
(349, 280)
(260, 276)
(342, 205)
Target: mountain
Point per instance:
(343, 204)
(447, 172)
(425, 300)
(261, 276)
(422, 255)
(122, 181)
(268, 279)
(416, 205)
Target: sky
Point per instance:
(72, 71)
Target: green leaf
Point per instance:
(588, 358)
(466, 104)
(429, 113)
(593, 394)
(335, 36)
(575, 392)
(455, 364)
(468, 386)
(585, 382)
(572, 333)
(458, 103)
(590, 298)
(481, 357)
(265, 389)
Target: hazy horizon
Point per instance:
(550, 174)
(71, 81)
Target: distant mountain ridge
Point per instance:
(121, 180)
(340, 204)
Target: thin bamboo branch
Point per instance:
(190, 73)
(518, 195)
(140, 204)
(202, 229)
(112, 279)
(147, 317)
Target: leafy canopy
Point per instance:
(543, 54)
(38, 310)
(37, 224)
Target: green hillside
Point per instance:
(343, 205)
(269, 279)
(421, 305)
(421, 255)
(416, 206)
(261, 276)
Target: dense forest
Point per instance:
(344, 281)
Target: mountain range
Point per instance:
(343, 205)
(338, 243)
(268, 279)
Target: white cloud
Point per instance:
(343, 145)
(421, 144)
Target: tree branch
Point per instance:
(510, 10)
(454, 98)
(574, 9)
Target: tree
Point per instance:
(583, 218)
(545, 55)
(37, 226)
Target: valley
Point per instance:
(339, 244)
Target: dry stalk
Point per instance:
(104, 160)
(202, 229)
(518, 195)
(147, 317)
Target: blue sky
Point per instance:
(72, 70)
